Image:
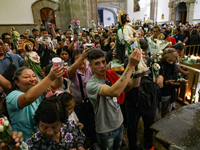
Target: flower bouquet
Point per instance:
(156, 46)
(6, 134)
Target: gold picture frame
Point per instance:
(136, 6)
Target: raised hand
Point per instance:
(135, 57)
(17, 137)
(56, 72)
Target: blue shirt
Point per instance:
(5, 62)
(178, 37)
(21, 119)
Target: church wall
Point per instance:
(16, 12)
(139, 15)
(196, 16)
(162, 9)
(19, 14)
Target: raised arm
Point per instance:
(117, 88)
(72, 69)
(36, 91)
(52, 27)
(71, 45)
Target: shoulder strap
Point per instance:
(81, 86)
(11, 61)
(65, 83)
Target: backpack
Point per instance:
(145, 97)
(10, 70)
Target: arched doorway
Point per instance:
(107, 15)
(47, 16)
(181, 13)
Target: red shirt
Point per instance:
(172, 39)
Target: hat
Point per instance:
(25, 43)
(120, 14)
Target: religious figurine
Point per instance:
(15, 36)
(125, 38)
(32, 60)
(94, 28)
(75, 26)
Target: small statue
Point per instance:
(75, 26)
(15, 36)
(155, 69)
(93, 26)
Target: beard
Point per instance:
(128, 21)
(1, 53)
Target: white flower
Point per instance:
(6, 123)
(1, 128)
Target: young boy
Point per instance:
(44, 39)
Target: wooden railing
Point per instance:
(192, 50)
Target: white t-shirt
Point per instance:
(73, 117)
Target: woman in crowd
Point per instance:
(194, 38)
(64, 55)
(169, 71)
(25, 99)
(53, 133)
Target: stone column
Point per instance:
(190, 11)
(156, 11)
(171, 11)
(92, 12)
(152, 9)
(83, 10)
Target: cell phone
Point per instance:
(88, 45)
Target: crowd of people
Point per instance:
(82, 103)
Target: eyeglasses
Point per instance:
(7, 38)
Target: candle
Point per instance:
(188, 96)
